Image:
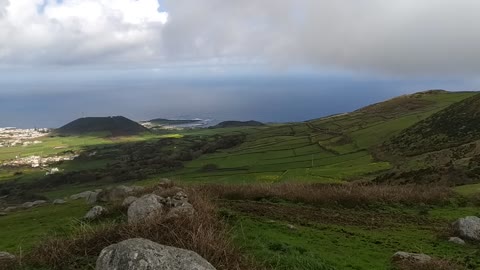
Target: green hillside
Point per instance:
(330, 149)
(454, 126)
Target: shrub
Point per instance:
(349, 195)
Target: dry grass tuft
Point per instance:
(204, 233)
(349, 195)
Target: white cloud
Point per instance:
(79, 31)
(398, 36)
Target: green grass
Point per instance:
(332, 149)
(468, 190)
(21, 230)
(331, 246)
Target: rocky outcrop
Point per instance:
(142, 254)
(151, 204)
(144, 208)
(467, 228)
(415, 258)
(95, 212)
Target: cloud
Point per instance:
(78, 31)
(406, 37)
(400, 37)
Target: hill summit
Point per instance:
(112, 125)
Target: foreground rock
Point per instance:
(128, 201)
(456, 240)
(95, 213)
(6, 258)
(144, 208)
(142, 254)
(468, 228)
(415, 258)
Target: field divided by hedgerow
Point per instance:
(330, 149)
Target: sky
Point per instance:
(269, 60)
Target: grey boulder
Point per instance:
(144, 208)
(456, 240)
(411, 257)
(142, 254)
(95, 212)
(468, 228)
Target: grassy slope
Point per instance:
(316, 245)
(454, 126)
(21, 230)
(331, 149)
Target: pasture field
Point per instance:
(330, 149)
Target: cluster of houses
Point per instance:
(10, 137)
(37, 161)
